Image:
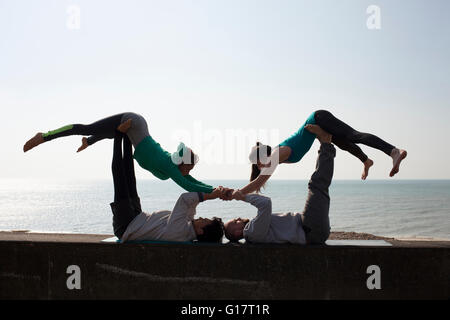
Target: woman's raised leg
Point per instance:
(101, 129)
(344, 132)
(357, 152)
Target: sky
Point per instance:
(220, 75)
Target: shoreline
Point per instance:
(49, 236)
(334, 235)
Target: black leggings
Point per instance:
(126, 205)
(102, 129)
(345, 137)
(123, 169)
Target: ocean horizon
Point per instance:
(392, 208)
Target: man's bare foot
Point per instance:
(33, 142)
(367, 164)
(322, 135)
(84, 144)
(397, 156)
(124, 127)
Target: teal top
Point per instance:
(152, 157)
(301, 141)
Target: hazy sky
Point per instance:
(220, 74)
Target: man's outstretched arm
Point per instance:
(188, 201)
(256, 230)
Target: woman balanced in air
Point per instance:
(148, 153)
(265, 160)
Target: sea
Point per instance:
(392, 208)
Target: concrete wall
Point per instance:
(38, 270)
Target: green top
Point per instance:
(301, 141)
(152, 157)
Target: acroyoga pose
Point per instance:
(148, 153)
(130, 223)
(310, 227)
(264, 160)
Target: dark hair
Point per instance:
(255, 170)
(192, 157)
(213, 232)
(231, 237)
(192, 160)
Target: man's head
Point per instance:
(208, 230)
(234, 229)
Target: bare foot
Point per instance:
(33, 142)
(322, 135)
(367, 164)
(84, 144)
(124, 127)
(397, 156)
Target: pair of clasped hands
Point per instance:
(227, 194)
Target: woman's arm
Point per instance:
(217, 192)
(187, 183)
(279, 155)
(255, 184)
(193, 180)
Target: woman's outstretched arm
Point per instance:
(279, 155)
(254, 185)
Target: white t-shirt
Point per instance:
(175, 225)
(268, 227)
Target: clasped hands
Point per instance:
(227, 194)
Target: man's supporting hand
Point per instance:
(226, 194)
(214, 195)
(219, 192)
(124, 127)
